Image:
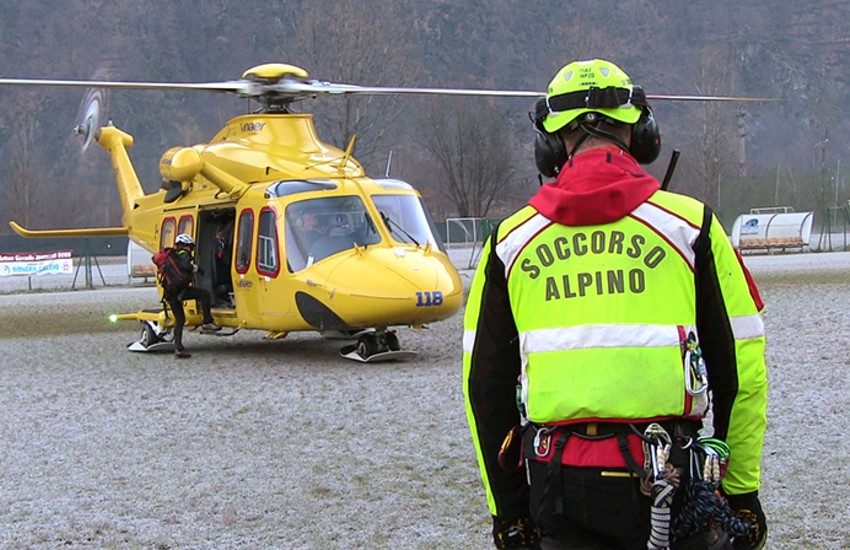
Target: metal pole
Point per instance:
(87, 252)
(837, 170)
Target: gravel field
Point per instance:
(254, 444)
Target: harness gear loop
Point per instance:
(665, 480)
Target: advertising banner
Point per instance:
(41, 263)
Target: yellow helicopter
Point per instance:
(291, 234)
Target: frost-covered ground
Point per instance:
(283, 444)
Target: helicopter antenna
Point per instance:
(389, 162)
(348, 151)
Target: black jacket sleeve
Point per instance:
(491, 373)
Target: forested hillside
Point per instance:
(734, 157)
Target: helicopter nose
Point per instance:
(406, 286)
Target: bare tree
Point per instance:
(713, 137)
(356, 43)
(474, 159)
(22, 177)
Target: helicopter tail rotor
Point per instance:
(89, 117)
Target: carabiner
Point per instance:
(512, 443)
(658, 444)
(543, 441)
(696, 374)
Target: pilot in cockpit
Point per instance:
(313, 226)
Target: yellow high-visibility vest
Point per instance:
(602, 313)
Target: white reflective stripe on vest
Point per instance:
(592, 336)
(678, 232)
(512, 245)
(747, 326)
(599, 336)
(468, 340)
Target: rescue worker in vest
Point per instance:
(222, 254)
(599, 316)
(184, 246)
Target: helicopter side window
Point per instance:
(166, 234)
(267, 255)
(318, 228)
(186, 225)
(243, 240)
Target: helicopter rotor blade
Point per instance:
(319, 87)
(333, 88)
(233, 86)
(675, 97)
(289, 89)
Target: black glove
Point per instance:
(748, 508)
(515, 534)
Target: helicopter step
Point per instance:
(202, 330)
(374, 347)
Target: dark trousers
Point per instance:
(596, 511)
(176, 305)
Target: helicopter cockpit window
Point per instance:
(318, 228)
(267, 256)
(405, 218)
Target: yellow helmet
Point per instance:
(596, 86)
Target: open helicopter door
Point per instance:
(214, 255)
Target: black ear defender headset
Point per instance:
(550, 153)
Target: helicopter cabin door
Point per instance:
(262, 297)
(275, 295)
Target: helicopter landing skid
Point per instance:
(376, 346)
(154, 337)
(350, 352)
(158, 346)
